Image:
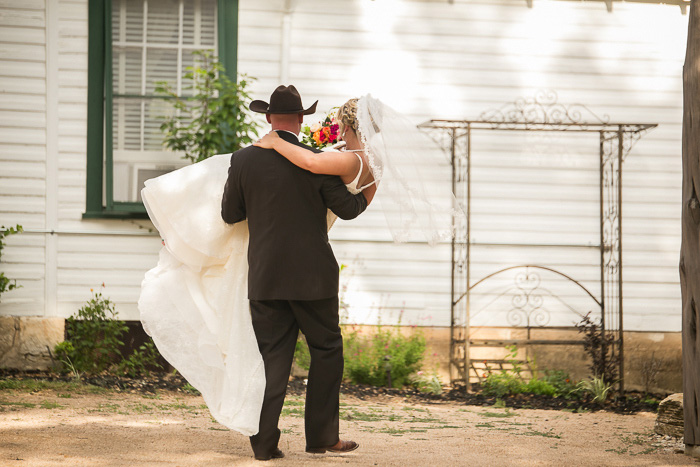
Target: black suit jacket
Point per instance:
(289, 257)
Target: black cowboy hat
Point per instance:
(285, 100)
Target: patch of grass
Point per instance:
(64, 396)
(505, 414)
(294, 402)
(545, 434)
(177, 405)
(34, 385)
(25, 405)
(400, 431)
(355, 415)
(141, 408)
(484, 425)
(189, 389)
(50, 405)
(423, 420)
(155, 395)
(106, 408)
(213, 428)
(418, 409)
(292, 412)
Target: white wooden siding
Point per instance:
(434, 59)
(23, 150)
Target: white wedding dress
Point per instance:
(194, 303)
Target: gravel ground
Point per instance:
(68, 425)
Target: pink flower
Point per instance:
(435, 354)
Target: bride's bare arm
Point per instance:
(328, 163)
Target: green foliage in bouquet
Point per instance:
(322, 134)
(215, 119)
(6, 283)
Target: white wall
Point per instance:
(427, 59)
(456, 60)
(23, 149)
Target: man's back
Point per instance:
(289, 255)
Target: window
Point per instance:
(132, 45)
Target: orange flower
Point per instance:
(317, 137)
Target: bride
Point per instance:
(350, 164)
(194, 302)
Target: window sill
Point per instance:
(118, 211)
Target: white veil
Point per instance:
(418, 203)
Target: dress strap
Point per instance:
(356, 180)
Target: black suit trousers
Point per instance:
(277, 324)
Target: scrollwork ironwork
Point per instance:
(540, 111)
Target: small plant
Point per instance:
(93, 337)
(598, 388)
(140, 361)
(7, 284)
(387, 358)
(503, 384)
(302, 357)
(215, 119)
(561, 382)
(63, 351)
(600, 346)
(427, 383)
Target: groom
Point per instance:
(293, 274)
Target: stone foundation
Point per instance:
(26, 343)
(652, 359)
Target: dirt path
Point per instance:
(50, 427)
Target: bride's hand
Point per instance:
(268, 141)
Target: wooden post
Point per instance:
(690, 243)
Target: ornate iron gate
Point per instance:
(540, 113)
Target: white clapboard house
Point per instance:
(79, 133)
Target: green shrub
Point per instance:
(598, 388)
(561, 381)
(7, 284)
(302, 357)
(216, 119)
(93, 337)
(427, 383)
(140, 361)
(503, 384)
(541, 387)
(386, 354)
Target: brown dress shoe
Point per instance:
(341, 446)
(276, 454)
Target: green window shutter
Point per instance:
(95, 107)
(228, 36)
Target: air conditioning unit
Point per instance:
(141, 173)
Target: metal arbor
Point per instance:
(539, 113)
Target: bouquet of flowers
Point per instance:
(321, 134)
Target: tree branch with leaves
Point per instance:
(215, 118)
